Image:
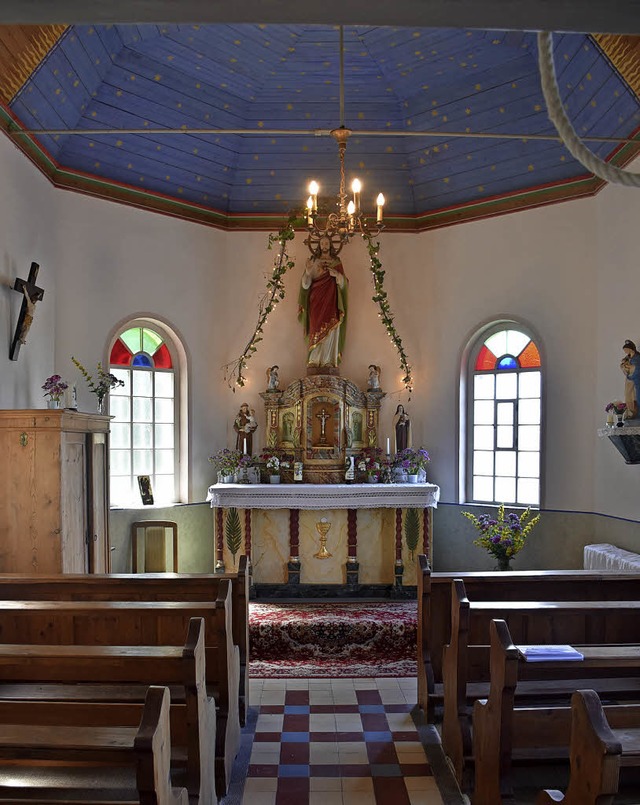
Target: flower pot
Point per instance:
(53, 403)
(227, 479)
(274, 479)
(412, 479)
(372, 479)
(620, 422)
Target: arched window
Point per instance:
(145, 428)
(504, 417)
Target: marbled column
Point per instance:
(219, 541)
(247, 532)
(399, 567)
(352, 547)
(426, 534)
(293, 565)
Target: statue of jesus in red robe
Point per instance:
(323, 305)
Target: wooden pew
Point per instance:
(143, 623)
(503, 730)
(434, 607)
(68, 749)
(597, 752)
(146, 587)
(466, 658)
(118, 673)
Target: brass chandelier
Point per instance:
(348, 219)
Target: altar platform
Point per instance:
(324, 540)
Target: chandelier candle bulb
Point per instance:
(356, 186)
(310, 210)
(380, 205)
(313, 190)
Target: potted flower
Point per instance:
(618, 409)
(413, 463)
(103, 383)
(227, 462)
(369, 462)
(502, 536)
(272, 459)
(54, 387)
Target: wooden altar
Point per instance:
(324, 539)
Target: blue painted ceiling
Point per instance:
(286, 77)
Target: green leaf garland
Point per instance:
(412, 530)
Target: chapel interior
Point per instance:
(172, 238)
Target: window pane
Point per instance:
(164, 410)
(119, 408)
(529, 412)
(164, 489)
(506, 462)
(164, 384)
(482, 488)
(142, 462)
(164, 435)
(529, 491)
(505, 490)
(133, 339)
(530, 384)
(164, 461)
(505, 413)
(125, 376)
(483, 437)
(483, 412)
(142, 384)
(150, 341)
(507, 386)
(120, 462)
(516, 342)
(529, 437)
(483, 387)
(497, 343)
(504, 436)
(529, 465)
(120, 436)
(142, 436)
(142, 409)
(121, 491)
(483, 462)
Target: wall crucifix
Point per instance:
(31, 294)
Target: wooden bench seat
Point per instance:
(53, 763)
(147, 587)
(434, 607)
(109, 674)
(144, 623)
(597, 752)
(505, 731)
(466, 658)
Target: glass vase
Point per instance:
(101, 405)
(504, 563)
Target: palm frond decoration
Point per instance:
(412, 530)
(233, 532)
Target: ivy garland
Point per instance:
(386, 315)
(275, 292)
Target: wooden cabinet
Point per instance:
(54, 495)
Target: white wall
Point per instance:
(568, 270)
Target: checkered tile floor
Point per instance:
(337, 742)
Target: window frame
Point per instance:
(467, 419)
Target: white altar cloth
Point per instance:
(324, 496)
(603, 556)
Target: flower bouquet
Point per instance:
(618, 409)
(369, 462)
(503, 537)
(228, 463)
(412, 462)
(102, 385)
(54, 387)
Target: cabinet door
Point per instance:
(97, 504)
(73, 503)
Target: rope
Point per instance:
(558, 116)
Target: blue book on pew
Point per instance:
(541, 653)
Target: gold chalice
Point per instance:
(323, 529)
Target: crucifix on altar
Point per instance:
(31, 294)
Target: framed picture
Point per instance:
(146, 493)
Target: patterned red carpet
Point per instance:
(333, 640)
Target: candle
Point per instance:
(388, 446)
(245, 447)
(380, 203)
(313, 190)
(351, 208)
(356, 186)
(309, 210)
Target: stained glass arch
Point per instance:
(502, 426)
(146, 424)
